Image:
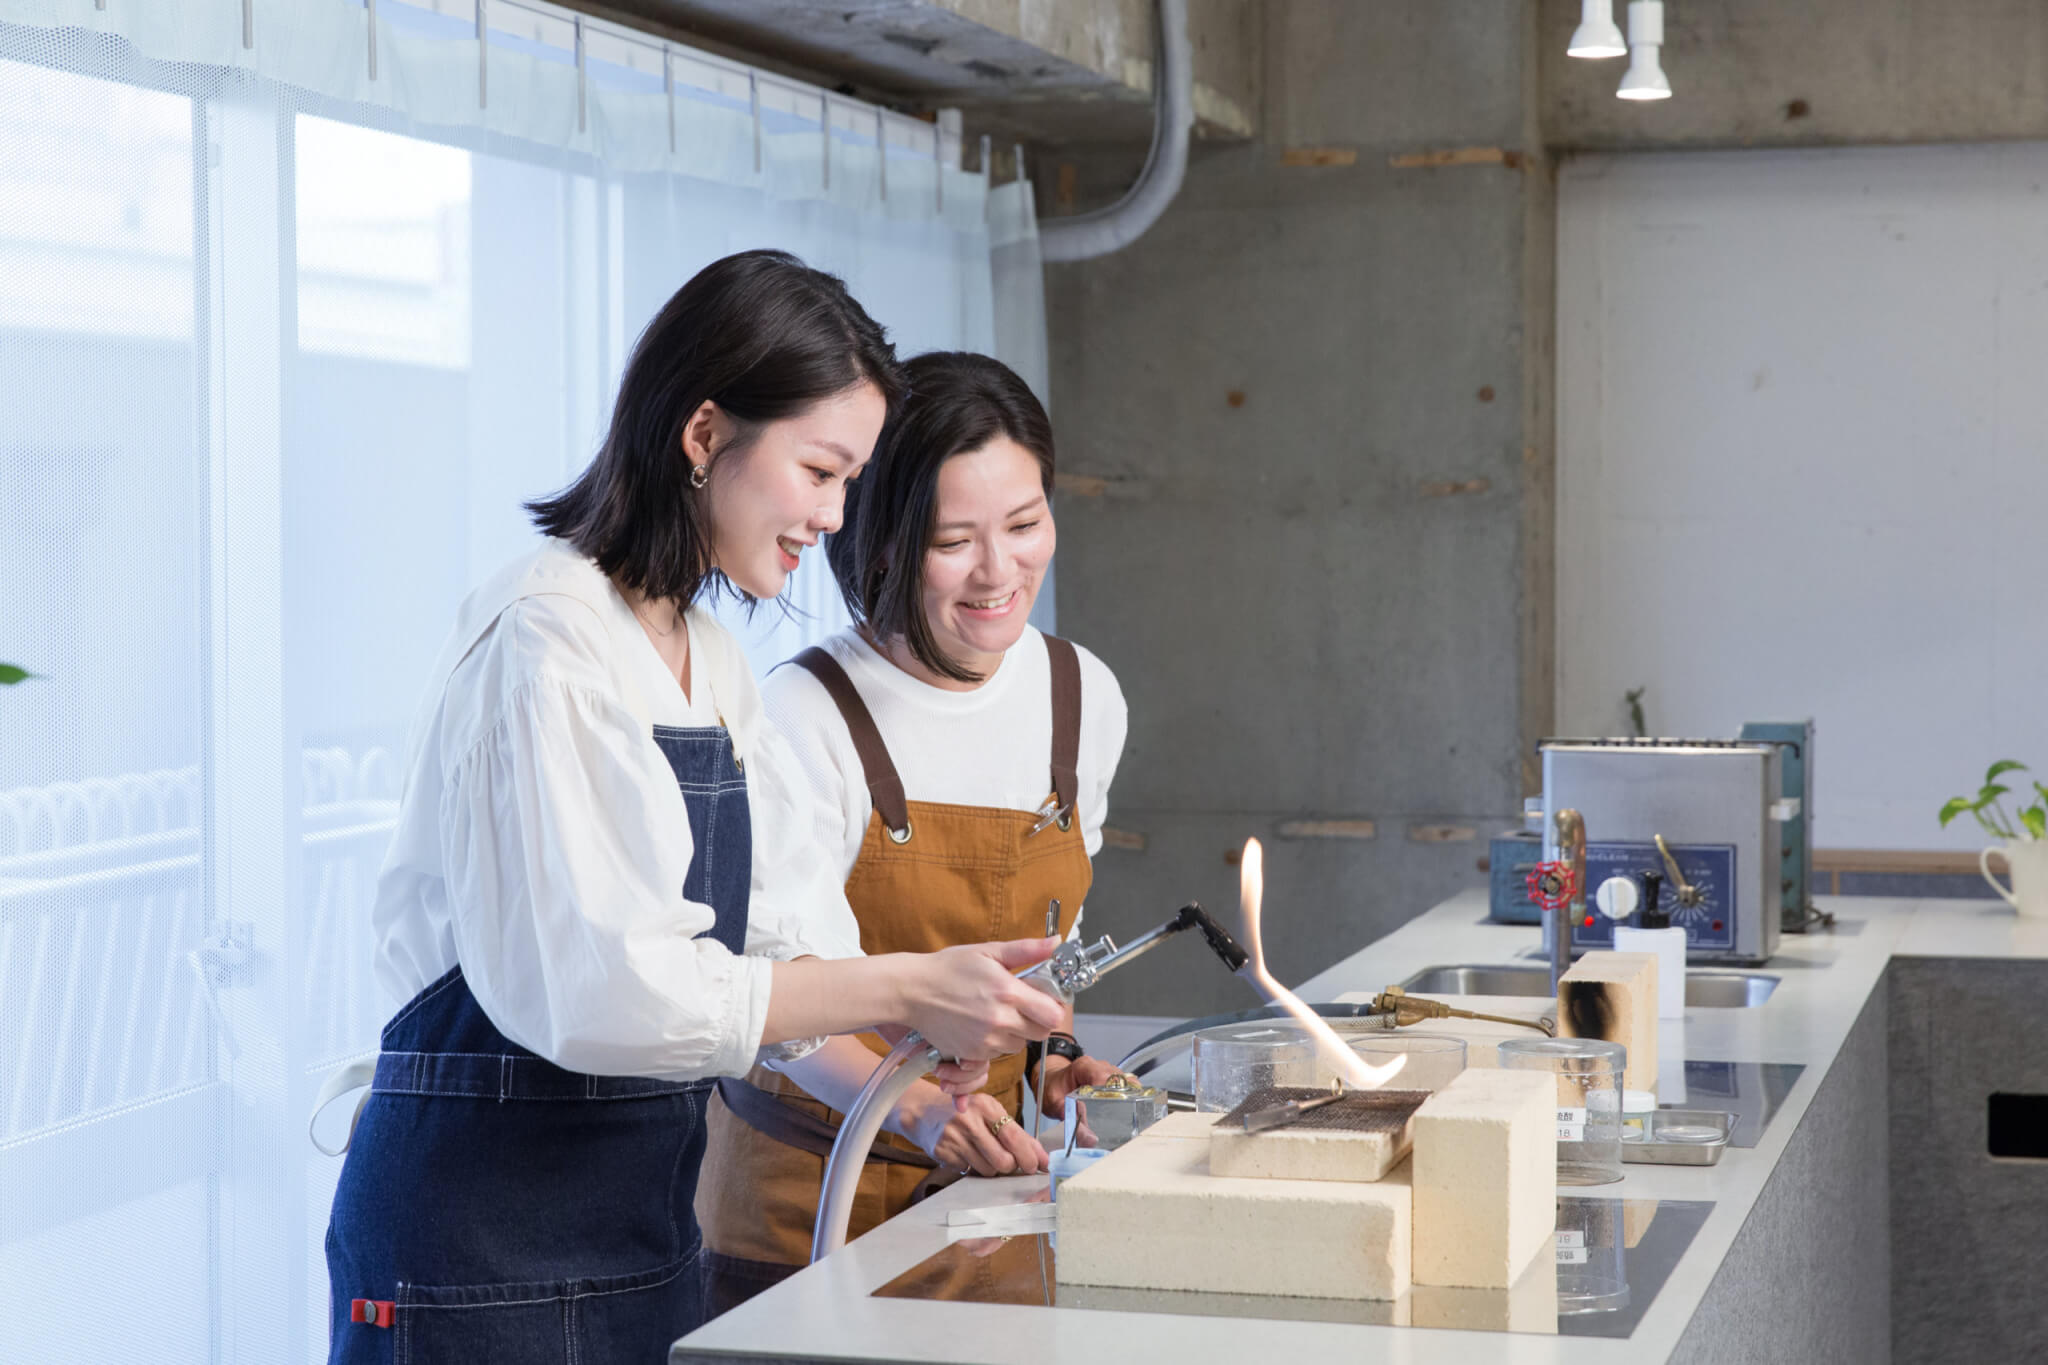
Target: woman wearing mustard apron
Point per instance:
(962, 762)
(603, 890)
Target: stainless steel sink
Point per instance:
(1703, 989)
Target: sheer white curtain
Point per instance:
(282, 348)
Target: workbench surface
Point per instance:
(1832, 984)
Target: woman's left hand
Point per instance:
(1062, 1077)
(960, 1078)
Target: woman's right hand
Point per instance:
(973, 1133)
(968, 1002)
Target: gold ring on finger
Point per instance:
(997, 1124)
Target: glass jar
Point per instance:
(1433, 1059)
(1588, 1074)
(1233, 1060)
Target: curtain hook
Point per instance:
(370, 11)
(754, 107)
(1019, 154)
(582, 96)
(248, 25)
(938, 168)
(483, 59)
(825, 127)
(668, 88)
(882, 153)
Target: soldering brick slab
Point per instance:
(1151, 1216)
(1614, 996)
(1485, 1178)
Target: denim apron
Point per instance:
(496, 1207)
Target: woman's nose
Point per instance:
(827, 518)
(996, 561)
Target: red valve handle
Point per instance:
(1551, 885)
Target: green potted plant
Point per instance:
(2023, 842)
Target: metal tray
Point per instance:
(1681, 1137)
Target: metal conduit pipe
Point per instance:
(1088, 235)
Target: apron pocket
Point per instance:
(560, 1322)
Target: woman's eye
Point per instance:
(949, 545)
(1023, 526)
(824, 475)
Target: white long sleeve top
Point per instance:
(542, 840)
(991, 746)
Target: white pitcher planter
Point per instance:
(2026, 862)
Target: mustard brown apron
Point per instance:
(928, 876)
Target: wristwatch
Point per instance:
(1058, 1045)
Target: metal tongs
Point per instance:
(1049, 813)
(1287, 1111)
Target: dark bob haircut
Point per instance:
(954, 402)
(760, 334)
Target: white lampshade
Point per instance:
(1645, 78)
(1596, 35)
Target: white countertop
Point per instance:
(828, 1310)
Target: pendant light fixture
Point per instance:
(1596, 35)
(1645, 79)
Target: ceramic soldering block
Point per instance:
(1485, 1178)
(1151, 1216)
(1614, 996)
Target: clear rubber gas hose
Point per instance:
(896, 1073)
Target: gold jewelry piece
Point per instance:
(700, 474)
(997, 1124)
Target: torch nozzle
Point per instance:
(1193, 916)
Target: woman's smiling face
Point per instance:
(770, 500)
(991, 540)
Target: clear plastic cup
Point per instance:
(1068, 1164)
(1434, 1059)
(1588, 1073)
(1233, 1060)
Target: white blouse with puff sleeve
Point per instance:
(542, 841)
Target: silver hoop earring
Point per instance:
(700, 474)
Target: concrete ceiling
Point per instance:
(1052, 73)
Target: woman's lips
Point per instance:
(790, 550)
(989, 608)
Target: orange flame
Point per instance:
(1347, 1064)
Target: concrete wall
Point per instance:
(1302, 628)
(1312, 409)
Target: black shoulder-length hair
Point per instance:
(954, 402)
(760, 334)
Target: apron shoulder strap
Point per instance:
(885, 788)
(1066, 719)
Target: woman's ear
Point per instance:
(708, 431)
